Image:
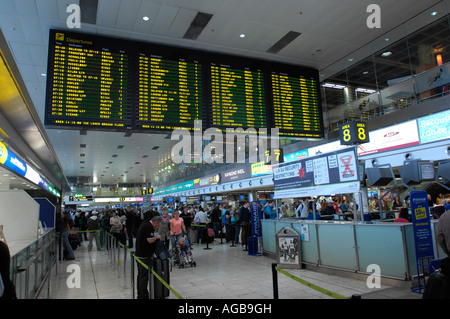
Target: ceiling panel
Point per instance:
(164, 19)
(181, 22)
(128, 11)
(107, 11)
(47, 9)
(149, 9)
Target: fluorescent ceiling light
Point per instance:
(365, 90)
(334, 86)
(242, 35)
(386, 54)
(145, 18)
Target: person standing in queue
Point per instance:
(145, 248)
(244, 217)
(187, 220)
(129, 225)
(176, 228)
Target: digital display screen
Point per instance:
(103, 83)
(90, 83)
(296, 105)
(170, 93)
(238, 97)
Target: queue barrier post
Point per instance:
(132, 275)
(275, 281)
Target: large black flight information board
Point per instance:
(103, 83)
(89, 84)
(238, 97)
(170, 93)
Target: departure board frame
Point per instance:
(83, 90)
(170, 87)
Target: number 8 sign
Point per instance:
(352, 133)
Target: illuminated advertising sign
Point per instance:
(434, 127)
(13, 162)
(261, 169)
(391, 138)
(296, 156)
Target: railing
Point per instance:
(32, 266)
(416, 89)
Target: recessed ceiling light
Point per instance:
(145, 18)
(43, 74)
(386, 39)
(434, 13)
(366, 72)
(350, 60)
(386, 54)
(242, 35)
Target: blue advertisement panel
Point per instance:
(420, 213)
(434, 127)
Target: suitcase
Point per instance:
(437, 287)
(161, 267)
(74, 241)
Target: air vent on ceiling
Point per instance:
(128, 134)
(82, 155)
(115, 155)
(144, 156)
(198, 24)
(283, 42)
(82, 145)
(155, 147)
(120, 147)
(88, 11)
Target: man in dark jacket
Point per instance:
(244, 218)
(216, 219)
(145, 248)
(129, 224)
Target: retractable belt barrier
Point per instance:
(146, 267)
(275, 269)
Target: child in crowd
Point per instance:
(184, 250)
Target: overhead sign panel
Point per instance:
(329, 173)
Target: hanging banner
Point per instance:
(420, 212)
(329, 173)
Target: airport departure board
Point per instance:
(90, 84)
(103, 83)
(170, 93)
(238, 97)
(296, 105)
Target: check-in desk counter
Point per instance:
(352, 246)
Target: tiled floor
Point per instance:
(223, 272)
